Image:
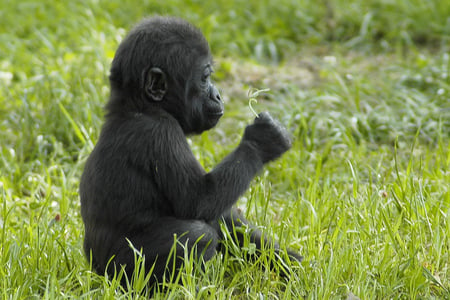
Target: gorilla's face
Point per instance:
(190, 98)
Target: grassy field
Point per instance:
(364, 194)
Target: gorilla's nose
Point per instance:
(215, 95)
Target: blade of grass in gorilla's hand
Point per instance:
(252, 94)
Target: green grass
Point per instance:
(364, 194)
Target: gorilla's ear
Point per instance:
(155, 84)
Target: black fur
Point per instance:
(141, 182)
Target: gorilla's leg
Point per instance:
(238, 227)
(235, 223)
(157, 242)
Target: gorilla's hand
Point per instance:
(268, 136)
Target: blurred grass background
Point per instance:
(362, 85)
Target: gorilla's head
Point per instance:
(165, 62)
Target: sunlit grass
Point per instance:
(363, 195)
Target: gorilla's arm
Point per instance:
(195, 194)
(228, 181)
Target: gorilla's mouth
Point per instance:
(213, 118)
(218, 113)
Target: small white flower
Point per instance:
(332, 60)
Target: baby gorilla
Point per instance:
(142, 184)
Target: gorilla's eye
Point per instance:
(206, 73)
(205, 76)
